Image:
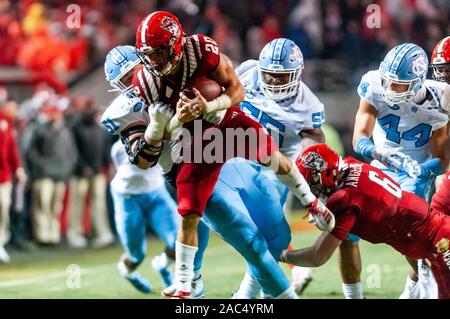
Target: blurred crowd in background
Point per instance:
(54, 153)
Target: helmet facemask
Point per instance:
(279, 84)
(441, 72)
(392, 97)
(160, 61)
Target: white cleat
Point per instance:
(301, 278)
(197, 292)
(4, 256)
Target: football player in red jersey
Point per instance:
(172, 61)
(440, 63)
(370, 204)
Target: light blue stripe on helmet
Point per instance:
(400, 56)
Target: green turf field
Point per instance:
(47, 273)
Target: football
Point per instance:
(208, 88)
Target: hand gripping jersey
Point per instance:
(283, 120)
(371, 205)
(201, 56)
(123, 113)
(407, 125)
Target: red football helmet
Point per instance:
(159, 42)
(440, 61)
(319, 165)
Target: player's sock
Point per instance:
(409, 288)
(248, 289)
(426, 287)
(288, 294)
(296, 183)
(184, 266)
(353, 291)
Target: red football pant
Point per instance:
(196, 181)
(440, 265)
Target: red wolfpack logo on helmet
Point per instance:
(315, 161)
(168, 24)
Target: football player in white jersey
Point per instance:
(276, 97)
(140, 197)
(400, 110)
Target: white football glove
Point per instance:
(392, 158)
(321, 216)
(411, 167)
(160, 114)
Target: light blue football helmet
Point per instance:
(119, 62)
(280, 57)
(404, 64)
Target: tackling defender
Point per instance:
(140, 197)
(401, 110)
(368, 203)
(171, 61)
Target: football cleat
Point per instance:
(301, 278)
(197, 292)
(135, 278)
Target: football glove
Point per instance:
(321, 216)
(411, 167)
(160, 115)
(392, 158)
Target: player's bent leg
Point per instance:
(131, 229)
(349, 261)
(229, 217)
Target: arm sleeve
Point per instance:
(345, 213)
(344, 223)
